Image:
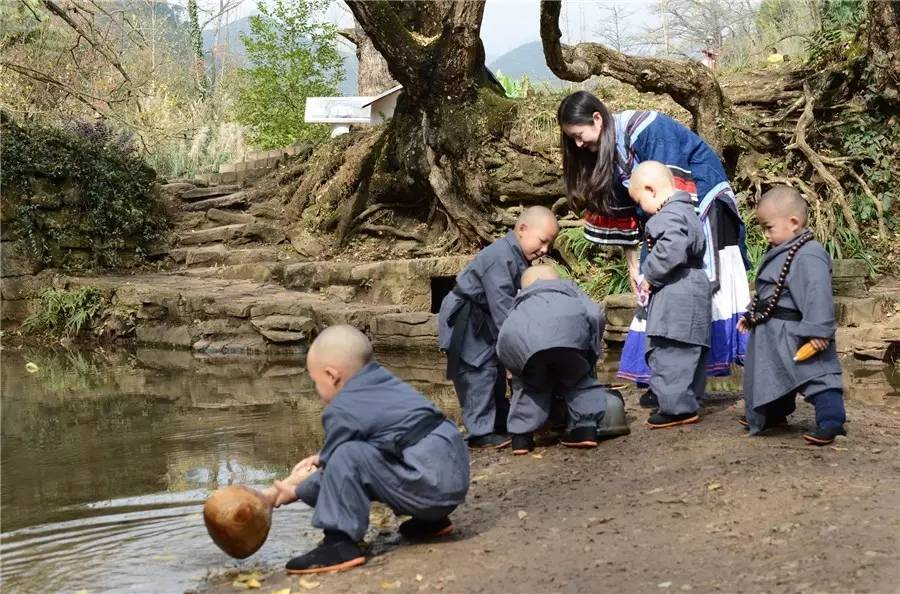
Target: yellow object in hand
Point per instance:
(805, 352)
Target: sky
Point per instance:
(507, 24)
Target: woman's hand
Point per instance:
(742, 326)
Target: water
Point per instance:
(107, 457)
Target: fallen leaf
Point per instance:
(537, 456)
(652, 491)
(522, 514)
(240, 585)
(253, 584)
(282, 591)
(308, 584)
(246, 578)
(663, 584)
(419, 577)
(839, 449)
(32, 368)
(390, 585)
(713, 487)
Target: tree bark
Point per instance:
(373, 75)
(689, 83)
(884, 47)
(433, 151)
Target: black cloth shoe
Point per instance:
(416, 529)
(522, 444)
(825, 436)
(660, 421)
(580, 437)
(491, 441)
(337, 553)
(649, 400)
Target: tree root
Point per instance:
(379, 229)
(816, 161)
(879, 207)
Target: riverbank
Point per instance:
(703, 509)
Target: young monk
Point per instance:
(678, 317)
(383, 442)
(550, 343)
(472, 314)
(793, 306)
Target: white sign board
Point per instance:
(337, 110)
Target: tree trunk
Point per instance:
(373, 75)
(884, 47)
(432, 155)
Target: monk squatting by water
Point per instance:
(383, 442)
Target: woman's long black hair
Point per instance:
(589, 176)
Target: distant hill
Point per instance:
(526, 59)
(230, 36)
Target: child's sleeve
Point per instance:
(340, 428)
(499, 291)
(809, 282)
(669, 252)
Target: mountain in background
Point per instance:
(230, 36)
(527, 59)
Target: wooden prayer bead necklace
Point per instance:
(650, 241)
(754, 317)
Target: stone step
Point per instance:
(218, 255)
(219, 315)
(235, 199)
(228, 217)
(260, 272)
(210, 192)
(216, 234)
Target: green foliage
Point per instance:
(598, 271)
(292, 56)
(105, 188)
(755, 240)
(64, 313)
(840, 22)
(514, 89)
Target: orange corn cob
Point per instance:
(805, 352)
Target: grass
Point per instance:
(64, 312)
(598, 271)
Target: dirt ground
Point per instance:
(703, 508)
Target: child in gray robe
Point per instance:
(471, 316)
(793, 306)
(550, 343)
(383, 442)
(679, 315)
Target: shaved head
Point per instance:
(653, 174)
(341, 347)
(786, 202)
(536, 215)
(539, 272)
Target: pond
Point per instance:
(107, 457)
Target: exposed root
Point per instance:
(380, 229)
(816, 161)
(879, 207)
(374, 209)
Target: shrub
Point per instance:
(64, 313)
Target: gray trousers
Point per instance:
(356, 475)
(677, 374)
(558, 372)
(482, 397)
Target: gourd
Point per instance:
(238, 519)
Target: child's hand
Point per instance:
(645, 287)
(820, 344)
(742, 326)
(284, 493)
(308, 463)
(298, 475)
(508, 374)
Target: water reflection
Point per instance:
(107, 456)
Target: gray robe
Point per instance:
(546, 315)
(360, 461)
(490, 283)
(770, 371)
(556, 319)
(679, 317)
